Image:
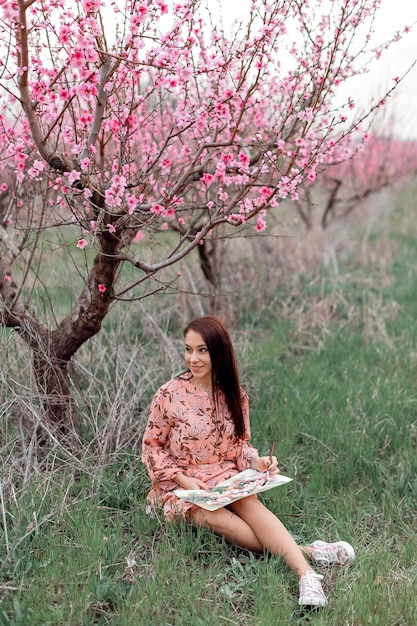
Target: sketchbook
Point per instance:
(239, 486)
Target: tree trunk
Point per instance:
(53, 349)
(52, 380)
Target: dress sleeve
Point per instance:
(160, 464)
(248, 452)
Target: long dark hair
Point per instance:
(224, 373)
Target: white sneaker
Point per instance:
(311, 591)
(338, 553)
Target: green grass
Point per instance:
(339, 399)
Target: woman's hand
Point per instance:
(185, 482)
(263, 463)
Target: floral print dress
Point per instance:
(190, 433)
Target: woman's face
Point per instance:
(197, 357)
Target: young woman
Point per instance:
(198, 435)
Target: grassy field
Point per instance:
(332, 381)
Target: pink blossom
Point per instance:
(236, 219)
(119, 181)
(244, 159)
(170, 212)
(142, 10)
(111, 228)
(84, 164)
(3, 187)
(139, 235)
(283, 188)
(102, 288)
(77, 58)
(306, 115)
(207, 178)
(10, 9)
(73, 176)
(131, 202)
(91, 5)
(38, 166)
(260, 225)
(111, 199)
(82, 243)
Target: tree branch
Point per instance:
(102, 96)
(23, 65)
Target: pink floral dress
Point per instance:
(188, 433)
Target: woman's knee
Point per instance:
(218, 521)
(245, 504)
(197, 517)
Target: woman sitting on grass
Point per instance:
(198, 435)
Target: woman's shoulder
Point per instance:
(178, 383)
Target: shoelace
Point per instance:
(311, 585)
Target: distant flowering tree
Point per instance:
(379, 162)
(124, 119)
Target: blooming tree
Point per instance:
(121, 119)
(378, 163)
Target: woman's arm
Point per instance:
(156, 456)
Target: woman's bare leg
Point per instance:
(228, 525)
(272, 534)
(252, 526)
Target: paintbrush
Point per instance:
(270, 462)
